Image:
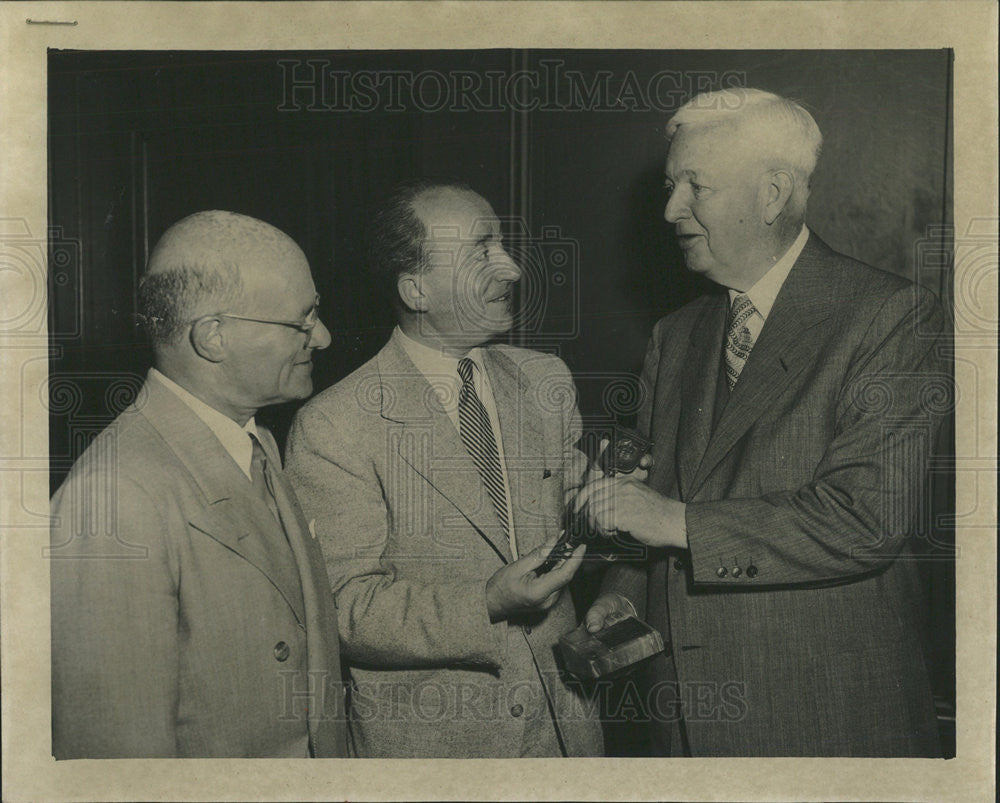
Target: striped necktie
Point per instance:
(480, 442)
(739, 339)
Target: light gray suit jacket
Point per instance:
(794, 614)
(181, 624)
(410, 540)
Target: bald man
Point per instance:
(190, 608)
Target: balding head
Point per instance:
(233, 312)
(206, 263)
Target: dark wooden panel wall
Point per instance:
(137, 141)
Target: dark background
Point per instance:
(138, 140)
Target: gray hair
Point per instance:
(785, 131)
(171, 298)
(195, 269)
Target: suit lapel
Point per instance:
(322, 653)
(431, 445)
(258, 540)
(698, 383)
(791, 336)
(523, 443)
(233, 514)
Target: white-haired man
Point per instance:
(190, 608)
(791, 425)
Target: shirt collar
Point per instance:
(765, 291)
(234, 438)
(432, 362)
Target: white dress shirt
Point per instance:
(765, 291)
(441, 371)
(234, 438)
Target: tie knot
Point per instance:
(465, 368)
(259, 456)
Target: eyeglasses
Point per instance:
(305, 326)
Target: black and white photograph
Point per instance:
(406, 400)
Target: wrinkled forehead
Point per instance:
(452, 214)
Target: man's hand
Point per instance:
(594, 472)
(625, 504)
(517, 589)
(606, 610)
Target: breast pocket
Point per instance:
(550, 497)
(536, 500)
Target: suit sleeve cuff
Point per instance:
(710, 543)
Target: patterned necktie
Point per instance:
(739, 340)
(480, 443)
(260, 476)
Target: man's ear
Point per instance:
(780, 185)
(411, 293)
(206, 338)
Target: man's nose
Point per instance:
(506, 269)
(319, 337)
(676, 208)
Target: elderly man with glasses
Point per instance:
(190, 610)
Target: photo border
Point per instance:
(30, 773)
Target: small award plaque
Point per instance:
(611, 650)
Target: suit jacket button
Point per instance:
(527, 630)
(751, 571)
(737, 571)
(721, 571)
(679, 565)
(516, 710)
(282, 651)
